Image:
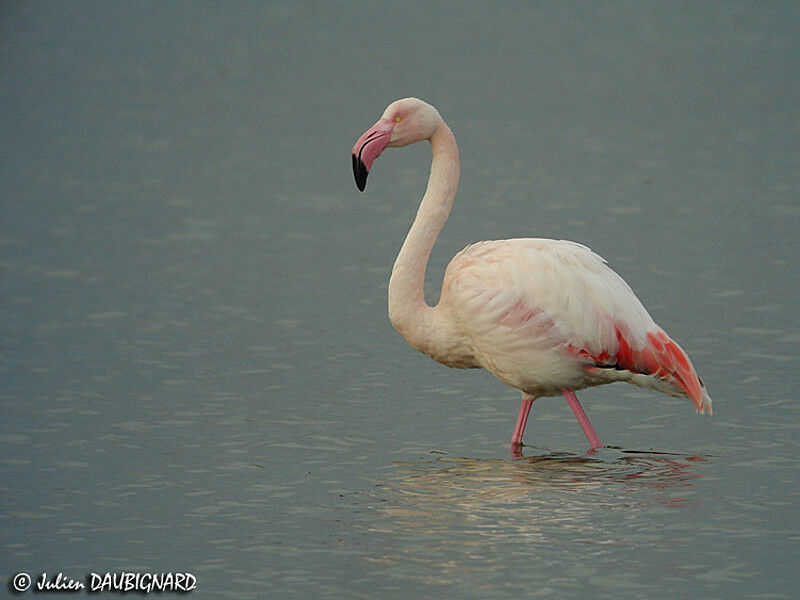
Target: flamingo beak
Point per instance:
(368, 148)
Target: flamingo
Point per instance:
(547, 317)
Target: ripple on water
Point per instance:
(430, 522)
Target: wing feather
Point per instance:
(557, 288)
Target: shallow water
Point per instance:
(197, 369)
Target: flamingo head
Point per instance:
(403, 122)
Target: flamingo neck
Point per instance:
(408, 311)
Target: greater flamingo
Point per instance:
(547, 317)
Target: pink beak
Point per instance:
(368, 148)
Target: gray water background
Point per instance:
(197, 369)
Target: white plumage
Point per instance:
(519, 302)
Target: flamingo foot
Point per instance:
(580, 414)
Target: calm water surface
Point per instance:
(197, 369)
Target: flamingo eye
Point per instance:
(398, 118)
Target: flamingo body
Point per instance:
(544, 316)
(573, 324)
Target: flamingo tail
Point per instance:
(661, 364)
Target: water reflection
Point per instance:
(449, 519)
(530, 493)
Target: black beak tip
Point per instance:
(360, 173)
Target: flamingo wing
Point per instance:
(548, 315)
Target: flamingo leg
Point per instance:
(522, 419)
(580, 414)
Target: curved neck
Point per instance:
(408, 311)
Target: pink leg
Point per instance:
(522, 418)
(576, 407)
